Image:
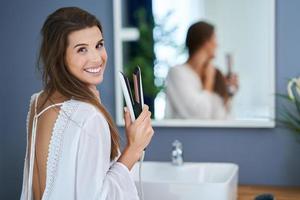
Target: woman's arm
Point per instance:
(95, 177)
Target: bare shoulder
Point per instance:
(47, 119)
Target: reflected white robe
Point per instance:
(186, 99)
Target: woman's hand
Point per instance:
(139, 134)
(233, 83)
(209, 79)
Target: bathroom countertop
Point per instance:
(249, 192)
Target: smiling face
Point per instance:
(86, 55)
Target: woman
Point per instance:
(73, 144)
(190, 87)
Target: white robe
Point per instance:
(78, 164)
(186, 99)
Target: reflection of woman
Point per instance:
(190, 88)
(73, 144)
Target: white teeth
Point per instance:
(93, 70)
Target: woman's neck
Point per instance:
(57, 97)
(197, 61)
(95, 91)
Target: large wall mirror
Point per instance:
(235, 85)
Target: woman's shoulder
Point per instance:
(79, 111)
(184, 74)
(87, 108)
(180, 70)
(33, 96)
(90, 119)
(86, 111)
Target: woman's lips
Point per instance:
(93, 70)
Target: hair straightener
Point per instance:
(134, 105)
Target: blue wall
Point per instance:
(265, 156)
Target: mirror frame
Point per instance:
(122, 34)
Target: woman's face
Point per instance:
(211, 46)
(86, 55)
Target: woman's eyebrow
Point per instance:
(102, 40)
(83, 44)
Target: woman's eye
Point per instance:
(100, 45)
(82, 50)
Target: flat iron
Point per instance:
(135, 105)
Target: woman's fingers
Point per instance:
(146, 122)
(143, 115)
(140, 131)
(147, 117)
(150, 135)
(127, 117)
(146, 126)
(150, 131)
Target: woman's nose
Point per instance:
(95, 56)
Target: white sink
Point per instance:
(191, 181)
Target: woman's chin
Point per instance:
(94, 82)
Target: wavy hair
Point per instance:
(51, 62)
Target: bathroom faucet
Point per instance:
(177, 153)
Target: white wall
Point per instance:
(243, 29)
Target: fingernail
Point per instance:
(125, 109)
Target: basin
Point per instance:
(190, 181)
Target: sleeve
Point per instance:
(189, 101)
(24, 192)
(95, 178)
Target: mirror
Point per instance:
(233, 87)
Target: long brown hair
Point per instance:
(51, 62)
(220, 86)
(197, 35)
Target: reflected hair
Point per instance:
(198, 34)
(220, 86)
(52, 63)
